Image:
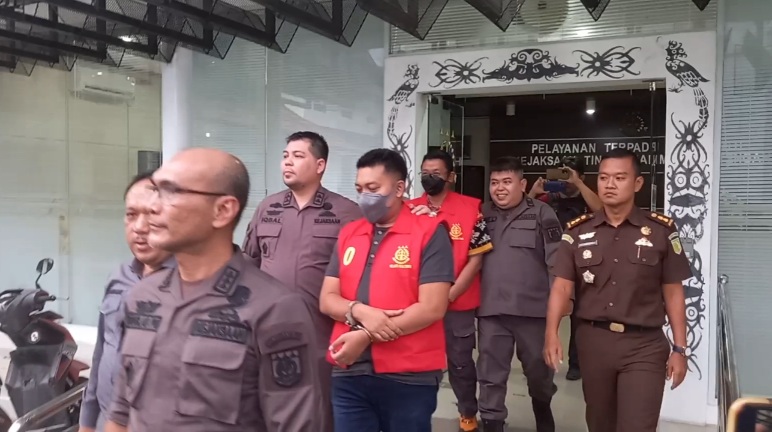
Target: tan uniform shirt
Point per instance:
(619, 272)
(295, 245)
(231, 355)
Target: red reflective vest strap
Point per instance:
(460, 213)
(394, 284)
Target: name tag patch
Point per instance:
(142, 321)
(227, 331)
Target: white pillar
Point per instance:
(175, 84)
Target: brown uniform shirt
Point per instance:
(619, 272)
(515, 273)
(231, 355)
(294, 245)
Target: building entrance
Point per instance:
(544, 129)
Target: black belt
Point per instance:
(619, 327)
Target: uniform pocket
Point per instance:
(137, 346)
(113, 318)
(211, 379)
(268, 236)
(523, 233)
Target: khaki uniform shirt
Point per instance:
(619, 272)
(295, 245)
(515, 273)
(230, 355)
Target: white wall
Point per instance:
(64, 167)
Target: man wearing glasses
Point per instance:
(215, 344)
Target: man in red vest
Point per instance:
(387, 288)
(470, 239)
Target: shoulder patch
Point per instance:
(661, 219)
(580, 220)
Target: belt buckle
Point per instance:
(617, 327)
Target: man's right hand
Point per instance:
(553, 351)
(537, 188)
(112, 426)
(378, 322)
(86, 429)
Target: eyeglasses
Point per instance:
(166, 191)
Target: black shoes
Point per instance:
(492, 426)
(573, 374)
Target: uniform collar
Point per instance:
(138, 268)
(319, 198)
(636, 217)
(226, 279)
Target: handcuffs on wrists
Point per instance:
(353, 323)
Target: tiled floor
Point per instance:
(567, 406)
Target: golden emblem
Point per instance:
(348, 256)
(646, 231)
(401, 258)
(455, 232)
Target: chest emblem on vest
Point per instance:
(456, 233)
(401, 258)
(348, 256)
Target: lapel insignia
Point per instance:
(644, 242)
(646, 231)
(587, 254)
(588, 244)
(587, 236)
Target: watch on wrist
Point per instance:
(679, 350)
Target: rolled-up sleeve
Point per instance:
(289, 380)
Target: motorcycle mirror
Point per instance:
(45, 265)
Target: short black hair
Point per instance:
(234, 181)
(390, 160)
(316, 143)
(623, 153)
(507, 163)
(147, 175)
(576, 163)
(442, 155)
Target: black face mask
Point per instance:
(432, 184)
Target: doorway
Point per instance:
(542, 129)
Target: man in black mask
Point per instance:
(576, 200)
(470, 239)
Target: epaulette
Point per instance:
(661, 219)
(580, 220)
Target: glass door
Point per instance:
(446, 132)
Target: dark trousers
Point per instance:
(500, 338)
(573, 356)
(623, 377)
(366, 403)
(461, 339)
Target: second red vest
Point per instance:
(460, 213)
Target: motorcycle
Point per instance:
(42, 366)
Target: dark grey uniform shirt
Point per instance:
(436, 266)
(231, 355)
(294, 245)
(105, 363)
(515, 275)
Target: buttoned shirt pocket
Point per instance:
(522, 233)
(211, 379)
(646, 264)
(111, 310)
(268, 239)
(587, 265)
(327, 234)
(137, 347)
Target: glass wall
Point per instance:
(66, 157)
(745, 206)
(250, 102)
(461, 26)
